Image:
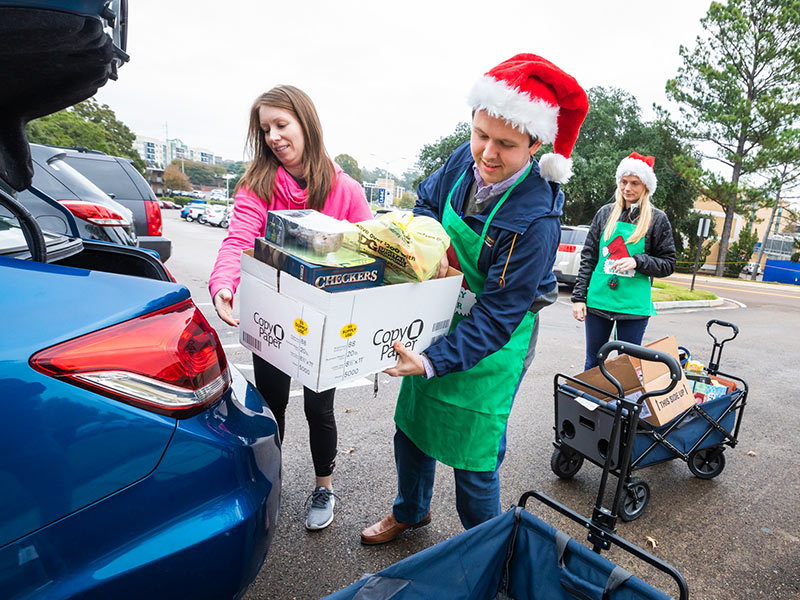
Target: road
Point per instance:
(735, 537)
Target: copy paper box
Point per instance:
(324, 339)
(658, 410)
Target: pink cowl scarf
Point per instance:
(345, 202)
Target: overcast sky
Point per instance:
(386, 77)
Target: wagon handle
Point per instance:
(641, 353)
(611, 538)
(716, 351)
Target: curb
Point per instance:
(692, 304)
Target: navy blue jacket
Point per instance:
(533, 212)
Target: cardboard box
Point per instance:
(324, 339)
(658, 410)
(331, 279)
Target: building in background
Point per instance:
(779, 243)
(153, 151)
(155, 177)
(160, 153)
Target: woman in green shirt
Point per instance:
(629, 242)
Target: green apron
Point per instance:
(630, 295)
(459, 419)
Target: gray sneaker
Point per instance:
(320, 515)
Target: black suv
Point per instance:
(118, 178)
(97, 216)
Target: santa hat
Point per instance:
(642, 167)
(539, 99)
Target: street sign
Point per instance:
(703, 226)
(381, 196)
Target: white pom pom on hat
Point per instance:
(642, 167)
(540, 99)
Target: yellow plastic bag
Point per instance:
(412, 246)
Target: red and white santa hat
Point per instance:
(642, 167)
(537, 98)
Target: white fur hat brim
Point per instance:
(530, 115)
(639, 168)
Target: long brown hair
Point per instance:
(318, 168)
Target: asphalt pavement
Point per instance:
(734, 537)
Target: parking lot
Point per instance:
(736, 536)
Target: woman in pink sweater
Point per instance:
(290, 170)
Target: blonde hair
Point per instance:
(643, 220)
(318, 170)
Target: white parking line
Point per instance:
(243, 366)
(229, 346)
(204, 304)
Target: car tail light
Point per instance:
(170, 362)
(153, 213)
(95, 213)
(567, 248)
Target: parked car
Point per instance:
(748, 268)
(218, 215)
(194, 212)
(168, 204)
(98, 216)
(118, 178)
(568, 258)
(217, 195)
(135, 462)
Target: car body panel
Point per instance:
(222, 464)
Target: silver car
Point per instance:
(568, 259)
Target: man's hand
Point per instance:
(408, 363)
(444, 264)
(579, 310)
(223, 304)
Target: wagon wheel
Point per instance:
(565, 463)
(634, 500)
(707, 463)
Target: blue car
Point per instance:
(135, 462)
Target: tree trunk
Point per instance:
(730, 211)
(764, 239)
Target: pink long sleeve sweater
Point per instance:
(345, 202)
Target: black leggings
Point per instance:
(274, 386)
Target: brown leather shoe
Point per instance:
(388, 528)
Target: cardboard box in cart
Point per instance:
(658, 410)
(324, 339)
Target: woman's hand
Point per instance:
(223, 304)
(625, 264)
(579, 310)
(444, 264)
(408, 362)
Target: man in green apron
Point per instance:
(501, 209)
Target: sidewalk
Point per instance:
(687, 278)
